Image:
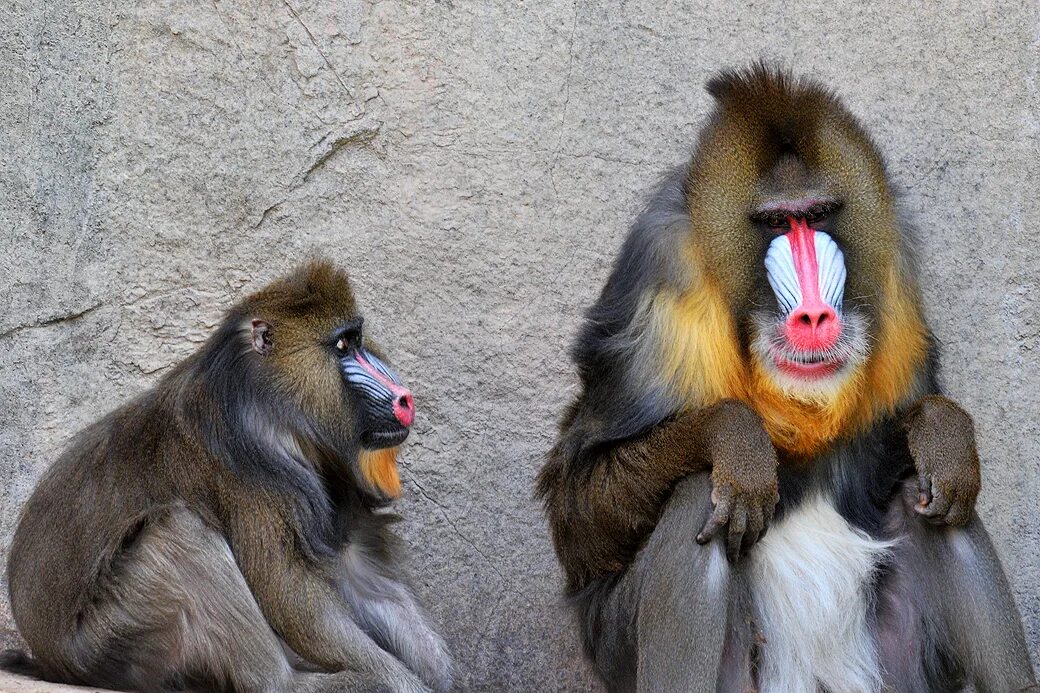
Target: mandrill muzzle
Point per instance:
(386, 408)
(806, 270)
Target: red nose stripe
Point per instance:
(404, 404)
(813, 325)
(803, 248)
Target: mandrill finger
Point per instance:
(924, 487)
(755, 527)
(939, 505)
(929, 501)
(737, 526)
(719, 517)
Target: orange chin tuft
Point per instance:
(799, 427)
(379, 467)
(704, 363)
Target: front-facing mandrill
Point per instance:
(181, 540)
(760, 348)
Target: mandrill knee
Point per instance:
(689, 498)
(685, 569)
(682, 517)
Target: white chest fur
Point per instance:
(810, 580)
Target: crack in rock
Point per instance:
(47, 322)
(317, 47)
(352, 134)
(356, 133)
(472, 544)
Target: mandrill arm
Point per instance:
(298, 597)
(604, 505)
(941, 437)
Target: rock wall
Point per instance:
(475, 166)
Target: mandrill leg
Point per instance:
(176, 612)
(683, 597)
(388, 612)
(946, 616)
(663, 625)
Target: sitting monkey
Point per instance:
(182, 539)
(759, 353)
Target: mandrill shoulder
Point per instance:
(624, 393)
(650, 260)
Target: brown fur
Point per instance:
(599, 517)
(696, 328)
(175, 537)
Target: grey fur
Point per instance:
(683, 597)
(646, 630)
(949, 595)
(388, 612)
(681, 618)
(175, 611)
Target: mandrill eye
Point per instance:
(348, 338)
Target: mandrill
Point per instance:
(759, 357)
(222, 531)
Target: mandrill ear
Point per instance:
(262, 343)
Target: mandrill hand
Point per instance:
(941, 437)
(744, 482)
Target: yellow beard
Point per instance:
(379, 468)
(704, 363)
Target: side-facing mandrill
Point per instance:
(759, 354)
(234, 508)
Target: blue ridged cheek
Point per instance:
(365, 372)
(783, 275)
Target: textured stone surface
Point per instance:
(9, 683)
(475, 166)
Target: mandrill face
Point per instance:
(308, 331)
(801, 299)
(811, 341)
(385, 408)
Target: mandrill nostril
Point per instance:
(813, 318)
(813, 327)
(404, 409)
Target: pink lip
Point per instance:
(807, 371)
